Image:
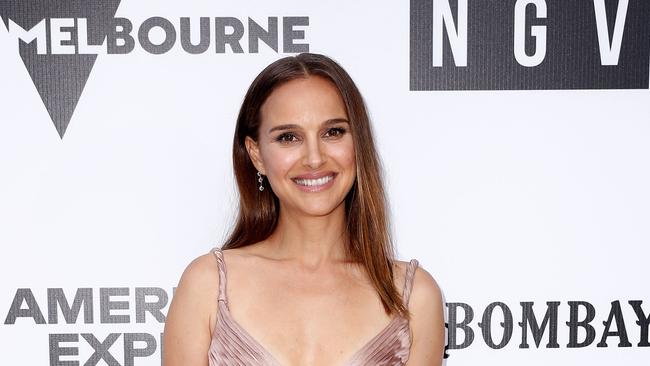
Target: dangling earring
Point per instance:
(260, 179)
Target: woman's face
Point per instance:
(305, 147)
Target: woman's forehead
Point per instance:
(306, 102)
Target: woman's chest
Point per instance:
(305, 321)
(233, 342)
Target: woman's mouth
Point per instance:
(315, 185)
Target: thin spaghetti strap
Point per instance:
(221, 264)
(408, 282)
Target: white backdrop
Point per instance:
(503, 196)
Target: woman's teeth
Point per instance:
(314, 182)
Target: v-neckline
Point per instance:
(264, 350)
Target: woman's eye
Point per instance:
(335, 132)
(286, 137)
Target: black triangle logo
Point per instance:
(59, 79)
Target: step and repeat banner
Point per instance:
(515, 137)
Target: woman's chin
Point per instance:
(318, 210)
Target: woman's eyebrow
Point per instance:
(334, 121)
(291, 126)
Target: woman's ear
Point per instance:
(254, 153)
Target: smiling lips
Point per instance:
(314, 182)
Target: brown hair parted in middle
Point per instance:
(366, 207)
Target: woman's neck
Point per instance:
(313, 241)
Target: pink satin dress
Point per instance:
(232, 345)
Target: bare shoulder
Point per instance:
(198, 287)
(187, 332)
(425, 292)
(427, 320)
(202, 272)
(425, 287)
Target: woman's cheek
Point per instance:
(280, 161)
(344, 153)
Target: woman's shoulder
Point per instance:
(201, 270)
(191, 311)
(424, 287)
(199, 283)
(426, 305)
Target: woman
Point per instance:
(309, 266)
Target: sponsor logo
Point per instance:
(97, 339)
(529, 44)
(59, 41)
(499, 321)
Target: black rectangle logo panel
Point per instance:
(529, 44)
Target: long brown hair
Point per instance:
(366, 207)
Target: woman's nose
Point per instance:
(315, 156)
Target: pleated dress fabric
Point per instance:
(232, 345)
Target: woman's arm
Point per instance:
(427, 321)
(187, 335)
